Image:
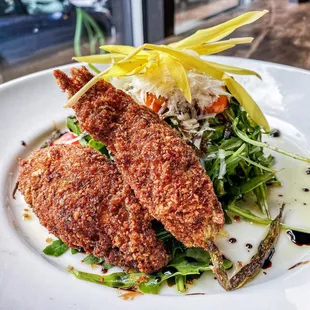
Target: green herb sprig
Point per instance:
(56, 248)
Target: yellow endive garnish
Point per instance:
(217, 47)
(219, 32)
(179, 75)
(105, 58)
(246, 101)
(129, 67)
(121, 49)
(179, 57)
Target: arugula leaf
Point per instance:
(56, 249)
(199, 254)
(186, 267)
(250, 185)
(246, 139)
(97, 145)
(248, 170)
(231, 144)
(107, 266)
(117, 279)
(74, 251)
(261, 198)
(251, 162)
(180, 282)
(92, 260)
(192, 261)
(178, 268)
(219, 187)
(247, 215)
(163, 235)
(73, 125)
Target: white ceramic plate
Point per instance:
(31, 280)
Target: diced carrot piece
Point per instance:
(153, 102)
(218, 106)
(65, 138)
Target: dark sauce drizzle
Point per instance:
(232, 240)
(249, 246)
(306, 189)
(308, 171)
(268, 263)
(275, 133)
(299, 238)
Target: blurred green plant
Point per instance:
(94, 33)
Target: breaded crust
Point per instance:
(81, 198)
(160, 167)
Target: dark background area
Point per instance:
(39, 34)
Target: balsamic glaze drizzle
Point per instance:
(299, 238)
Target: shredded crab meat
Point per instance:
(190, 117)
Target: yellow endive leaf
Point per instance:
(101, 58)
(153, 62)
(179, 75)
(216, 47)
(202, 50)
(126, 68)
(117, 69)
(220, 31)
(189, 60)
(120, 49)
(148, 65)
(74, 99)
(246, 101)
(233, 70)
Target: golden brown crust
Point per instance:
(80, 197)
(160, 167)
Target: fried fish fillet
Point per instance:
(81, 198)
(160, 167)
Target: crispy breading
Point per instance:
(81, 198)
(160, 167)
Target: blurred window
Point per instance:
(190, 14)
(34, 7)
(38, 34)
(11, 8)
